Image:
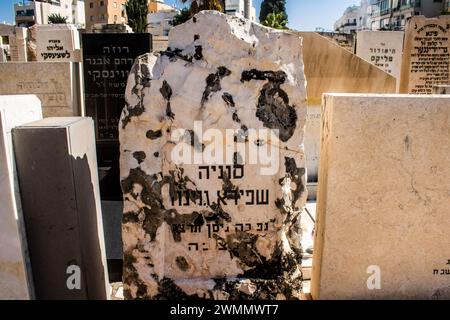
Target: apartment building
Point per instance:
(393, 14)
(241, 8)
(28, 13)
(104, 12)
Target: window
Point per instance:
(91, 5)
(115, 4)
(102, 17)
(92, 18)
(115, 18)
(102, 3)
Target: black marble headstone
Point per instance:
(107, 60)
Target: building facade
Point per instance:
(28, 13)
(241, 8)
(104, 12)
(393, 14)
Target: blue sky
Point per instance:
(304, 15)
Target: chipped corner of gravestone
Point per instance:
(221, 230)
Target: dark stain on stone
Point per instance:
(198, 55)
(168, 290)
(156, 154)
(142, 80)
(139, 156)
(166, 92)
(130, 217)
(273, 107)
(297, 176)
(213, 83)
(194, 19)
(153, 135)
(237, 159)
(195, 141)
(196, 37)
(182, 263)
(228, 98)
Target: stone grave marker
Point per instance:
(15, 271)
(56, 84)
(426, 61)
(199, 222)
(57, 42)
(57, 170)
(383, 49)
(382, 217)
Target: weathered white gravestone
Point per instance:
(203, 226)
(15, 272)
(383, 49)
(426, 61)
(57, 42)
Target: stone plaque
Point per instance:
(382, 229)
(57, 170)
(15, 271)
(107, 60)
(56, 84)
(202, 217)
(383, 49)
(426, 61)
(57, 42)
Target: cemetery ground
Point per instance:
(237, 162)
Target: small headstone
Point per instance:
(426, 61)
(57, 170)
(383, 49)
(217, 227)
(15, 271)
(57, 42)
(57, 85)
(382, 216)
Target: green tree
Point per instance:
(276, 21)
(198, 5)
(181, 17)
(272, 6)
(56, 18)
(137, 11)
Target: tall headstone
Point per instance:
(15, 271)
(108, 59)
(57, 42)
(57, 170)
(426, 61)
(200, 221)
(18, 45)
(331, 68)
(382, 217)
(57, 85)
(383, 49)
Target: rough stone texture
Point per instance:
(383, 197)
(15, 271)
(230, 74)
(331, 68)
(383, 49)
(426, 61)
(18, 44)
(57, 42)
(57, 85)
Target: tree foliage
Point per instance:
(198, 5)
(181, 17)
(55, 18)
(137, 11)
(273, 6)
(276, 21)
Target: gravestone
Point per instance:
(382, 216)
(57, 42)
(199, 221)
(57, 170)
(331, 68)
(383, 49)
(56, 84)
(108, 59)
(15, 271)
(426, 61)
(18, 45)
